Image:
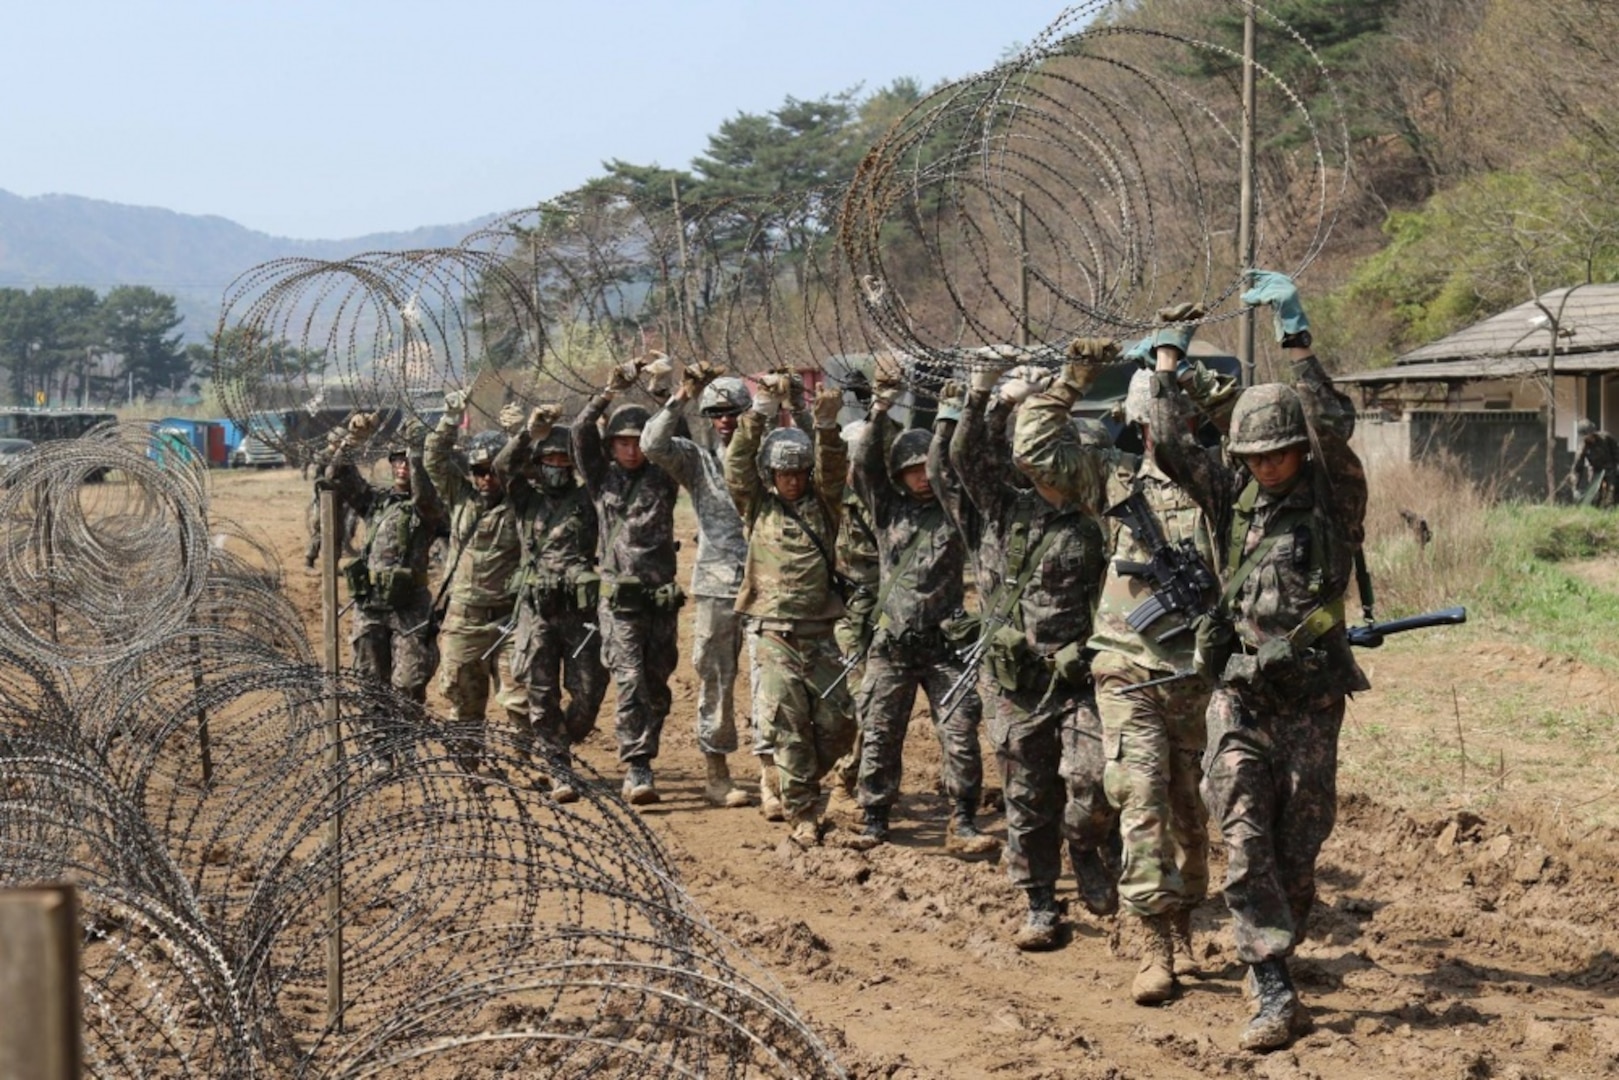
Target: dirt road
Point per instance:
(1466, 925)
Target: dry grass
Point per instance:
(1410, 575)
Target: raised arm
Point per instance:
(589, 448)
(679, 457)
(1045, 444)
(438, 455)
(831, 452)
(871, 482)
(978, 466)
(742, 454)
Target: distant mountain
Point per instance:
(69, 240)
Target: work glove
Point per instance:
(362, 426)
(770, 391)
(1179, 325)
(886, 387)
(455, 404)
(510, 418)
(952, 396)
(1141, 352)
(415, 433)
(828, 403)
(696, 376)
(1016, 389)
(981, 380)
(542, 418)
(1269, 661)
(662, 371)
(1282, 296)
(1086, 358)
(621, 377)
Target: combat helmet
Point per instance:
(910, 449)
(785, 450)
(627, 420)
(1267, 417)
(558, 441)
(481, 457)
(725, 396)
(1138, 399)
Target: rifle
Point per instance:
(1369, 636)
(1372, 635)
(507, 628)
(850, 662)
(1179, 577)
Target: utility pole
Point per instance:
(1245, 217)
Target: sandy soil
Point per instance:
(1465, 926)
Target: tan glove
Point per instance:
(1086, 359)
(362, 426)
(982, 379)
(510, 418)
(541, 419)
(696, 376)
(828, 403)
(661, 370)
(620, 377)
(1015, 391)
(886, 387)
(455, 404)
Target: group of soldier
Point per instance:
(1162, 635)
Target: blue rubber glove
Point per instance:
(1279, 292)
(952, 395)
(1141, 352)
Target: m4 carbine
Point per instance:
(1182, 582)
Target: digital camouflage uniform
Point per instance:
(392, 635)
(555, 645)
(1036, 659)
(1270, 771)
(722, 547)
(485, 542)
(791, 608)
(639, 602)
(923, 562)
(857, 561)
(1598, 458)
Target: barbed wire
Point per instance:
(223, 834)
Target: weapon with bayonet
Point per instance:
(1181, 581)
(507, 628)
(586, 641)
(850, 662)
(1369, 636)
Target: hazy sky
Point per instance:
(331, 119)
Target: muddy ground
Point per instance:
(1466, 926)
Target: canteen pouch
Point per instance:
(587, 591)
(358, 577)
(1072, 664)
(1010, 658)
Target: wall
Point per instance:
(1500, 450)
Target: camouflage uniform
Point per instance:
(639, 597)
(857, 561)
(484, 538)
(1041, 677)
(922, 565)
(1271, 764)
(788, 598)
(1153, 738)
(1598, 457)
(555, 645)
(392, 637)
(722, 547)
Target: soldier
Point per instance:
(393, 634)
(476, 639)
(1153, 735)
(558, 592)
(1289, 514)
(789, 491)
(635, 506)
(922, 563)
(722, 547)
(1049, 557)
(858, 563)
(1597, 462)
(322, 463)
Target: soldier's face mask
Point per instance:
(555, 476)
(791, 483)
(1277, 469)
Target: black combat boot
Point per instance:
(1039, 929)
(1272, 1026)
(961, 836)
(875, 831)
(638, 786)
(1098, 882)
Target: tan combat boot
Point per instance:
(1155, 981)
(720, 791)
(806, 830)
(961, 836)
(1180, 928)
(770, 789)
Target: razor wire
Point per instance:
(1094, 172)
(187, 783)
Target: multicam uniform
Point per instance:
(1049, 563)
(788, 598)
(923, 561)
(484, 538)
(722, 547)
(1271, 764)
(558, 591)
(639, 597)
(393, 608)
